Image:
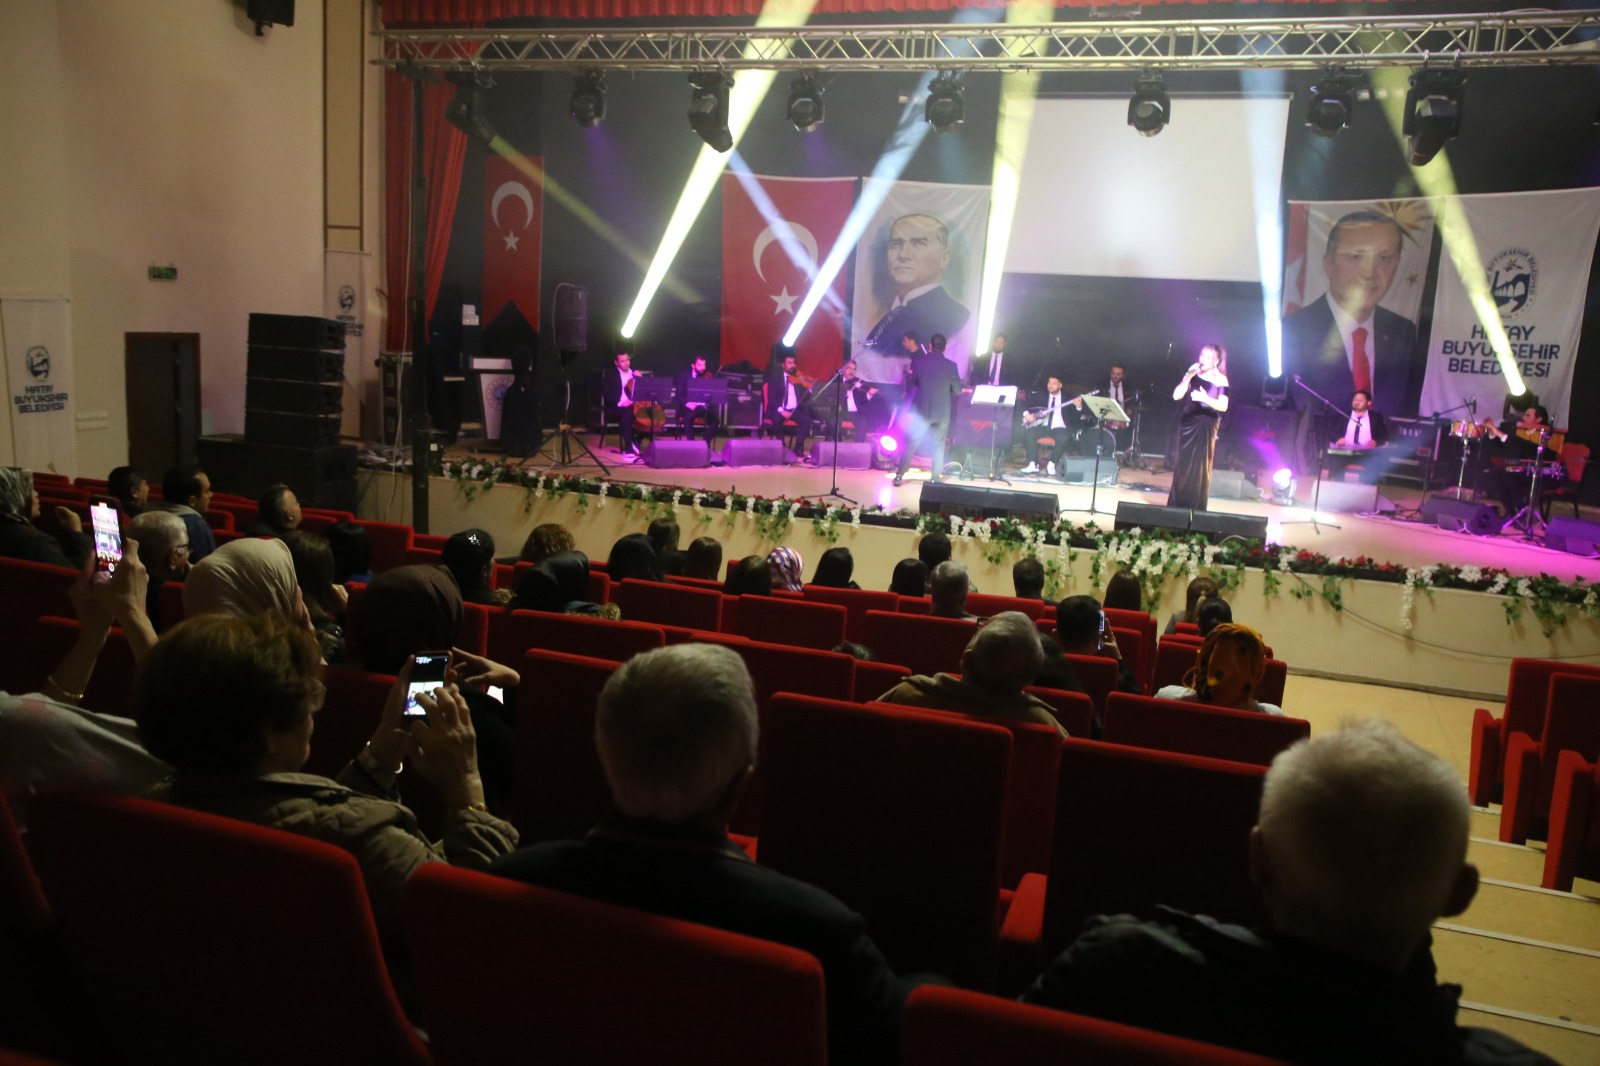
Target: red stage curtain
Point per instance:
(435, 12)
(444, 149)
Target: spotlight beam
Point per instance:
(1266, 183)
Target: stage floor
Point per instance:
(1400, 537)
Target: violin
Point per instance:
(802, 381)
(648, 416)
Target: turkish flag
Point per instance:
(769, 264)
(513, 219)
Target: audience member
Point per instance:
(933, 549)
(750, 576)
(560, 585)
(664, 535)
(1199, 588)
(469, 556)
(1214, 611)
(787, 567)
(1056, 671)
(246, 577)
(1000, 661)
(704, 559)
(163, 542)
(676, 730)
(910, 578)
(1027, 578)
(1081, 629)
(948, 587)
(544, 541)
(186, 492)
(835, 569)
(21, 539)
(1124, 593)
(1360, 846)
(229, 702)
(277, 512)
(324, 600)
(352, 552)
(129, 487)
(634, 556)
(1229, 665)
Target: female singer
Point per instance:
(1205, 387)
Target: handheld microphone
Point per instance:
(1194, 368)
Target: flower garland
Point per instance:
(1155, 556)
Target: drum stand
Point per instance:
(1528, 519)
(1135, 460)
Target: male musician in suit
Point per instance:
(617, 395)
(1115, 388)
(997, 368)
(1052, 423)
(784, 399)
(863, 403)
(689, 410)
(933, 382)
(1517, 442)
(919, 250)
(1365, 434)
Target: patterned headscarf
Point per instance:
(16, 494)
(786, 567)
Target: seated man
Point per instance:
(998, 663)
(186, 492)
(277, 512)
(1081, 629)
(948, 587)
(1027, 578)
(163, 542)
(676, 730)
(1227, 668)
(1360, 846)
(1365, 437)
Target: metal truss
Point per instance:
(1530, 39)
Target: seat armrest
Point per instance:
(1020, 934)
(1521, 790)
(1484, 767)
(1572, 805)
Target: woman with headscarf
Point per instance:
(1231, 662)
(834, 569)
(21, 539)
(560, 585)
(245, 577)
(786, 567)
(634, 556)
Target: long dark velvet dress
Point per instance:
(1197, 446)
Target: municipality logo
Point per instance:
(1513, 275)
(347, 297)
(38, 362)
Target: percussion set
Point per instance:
(1539, 471)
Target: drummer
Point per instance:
(1516, 445)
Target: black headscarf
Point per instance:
(404, 611)
(559, 584)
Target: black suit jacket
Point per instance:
(611, 387)
(775, 388)
(1313, 349)
(1011, 370)
(1380, 428)
(698, 876)
(935, 311)
(935, 382)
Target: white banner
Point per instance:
(39, 383)
(1535, 249)
(919, 267)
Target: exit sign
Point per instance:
(168, 273)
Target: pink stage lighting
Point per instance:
(888, 443)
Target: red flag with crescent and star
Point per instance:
(513, 218)
(775, 232)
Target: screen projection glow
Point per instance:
(1097, 199)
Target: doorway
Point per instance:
(162, 372)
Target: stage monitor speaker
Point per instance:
(297, 397)
(1458, 515)
(293, 364)
(1078, 470)
(296, 331)
(853, 454)
(572, 318)
(754, 451)
(1348, 497)
(975, 501)
(1572, 536)
(1145, 516)
(1217, 526)
(289, 430)
(320, 477)
(1232, 485)
(677, 453)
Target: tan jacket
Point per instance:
(946, 692)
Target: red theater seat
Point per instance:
(561, 789)
(675, 605)
(1097, 674)
(1574, 849)
(856, 602)
(1074, 710)
(39, 648)
(984, 605)
(1527, 695)
(1199, 729)
(349, 717)
(874, 678)
(32, 590)
(389, 543)
(1571, 723)
(797, 622)
(513, 632)
(924, 645)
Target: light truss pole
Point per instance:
(1527, 40)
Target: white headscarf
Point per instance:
(243, 577)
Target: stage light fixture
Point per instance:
(805, 103)
(1150, 109)
(588, 104)
(708, 108)
(946, 108)
(1283, 486)
(467, 112)
(888, 443)
(1333, 99)
(1433, 112)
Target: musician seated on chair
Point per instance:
(1362, 442)
(784, 396)
(1517, 443)
(1116, 388)
(863, 403)
(692, 411)
(617, 396)
(1050, 420)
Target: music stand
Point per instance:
(838, 422)
(1101, 409)
(713, 392)
(999, 401)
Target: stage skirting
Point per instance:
(1459, 642)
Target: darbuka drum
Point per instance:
(1466, 430)
(1550, 470)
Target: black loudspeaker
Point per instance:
(677, 453)
(1572, 536)
(291, 430)
(1218, 526)
(270, 12)
(1232, 485)
(1079, 470)
(1447, 513)
(572, 318)
(973, 501)
(320, 477)
(293, 364)
(296, 331)
(305, 397)
(1144, 516)
(754, 451)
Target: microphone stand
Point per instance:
(1322, 449)
(1466, 451)
(838, 421)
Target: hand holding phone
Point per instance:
(107, 537)
(427, 673)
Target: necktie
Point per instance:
(1360, 365)
(1357, 438)
(994, 369)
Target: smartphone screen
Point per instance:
(1104, 627)
(107, 537)
(427, 674)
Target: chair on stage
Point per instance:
(1575, 458)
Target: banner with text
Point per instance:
(919, 269)
(1535, 248)
(39, 383)
(513, 222)
(774, 233)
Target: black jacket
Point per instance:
(23, 540)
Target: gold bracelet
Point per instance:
(61, 691)
(484, 807)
